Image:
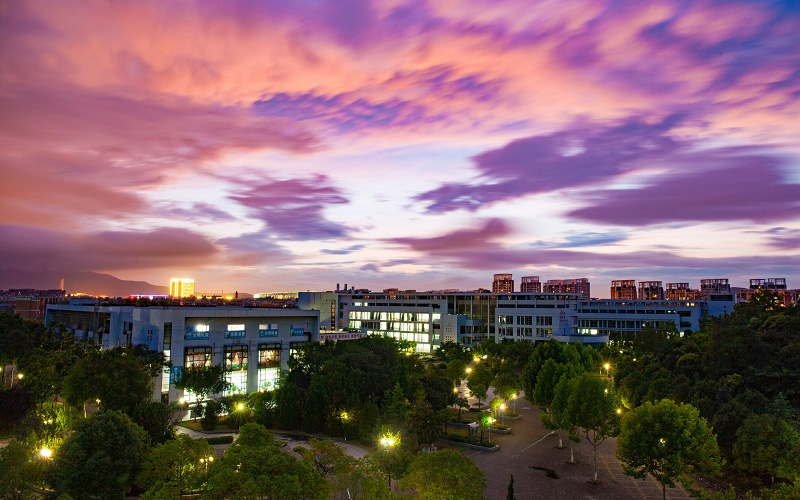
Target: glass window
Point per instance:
(544, 320)
(197, 356)
(235, 357)
(269, 355)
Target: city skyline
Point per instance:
(259, 146)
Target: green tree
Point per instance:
(766, 444)
(552, 349)
(178, 465)
(102, 458)
(479, 380)
(323, 455)
(667, 441)
(424, 422)
(445, 475)
(353, 479)
(79, 384)
(157, 419)
(203, 381)
(456, 370)
(591, 408)
(506, 384)
(396, 406)
(510, 492)
(559, 417)
(546, 382)
(17, 471)
(255, 467)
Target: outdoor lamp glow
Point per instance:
(502, 407)
(606, 366)
(240, 406)
(484, 356)
(514, 396)
(45, 453)
(181, 401)
(97, 401)
(345, 416)
(476, 359)
(20, 376)
(210, 459)
(469, 370)
(619, 411)
(455, 389)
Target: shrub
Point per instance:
(210, 417)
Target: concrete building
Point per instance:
(681, 291)
(530, 284)
(503, 283)
(181, 287)
(714, 285)
(253, 344)
(623, 289)
(651, 290)
(768, 284)
(580, 286)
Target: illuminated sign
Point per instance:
(296, 332)
(268, 330)
(235, 332)
(197, 332)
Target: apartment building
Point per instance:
(623, 289)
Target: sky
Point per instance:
(271, 145)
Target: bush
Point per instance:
(14, 404)
(465, 439)
(220, 440)
(210, 417)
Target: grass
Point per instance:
(195, 426)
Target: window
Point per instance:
(269, 355)
(235, 357)
(544, 320)
(505, 320)
(197, 356)
(544, 332)
(524, 320)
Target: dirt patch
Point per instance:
(547, 472)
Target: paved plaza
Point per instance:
(530, 446)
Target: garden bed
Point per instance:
(468, 442)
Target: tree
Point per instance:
(506, 384)
(202, 381)
(510, 493)
(255, 467)
(79, 384)
(396, 406)
(445, 475)
(157, 419)
(591, 408)
(479, 380)
(324, 456)
(767, 444)
(456, 368)
(102, 457)
(549, 376)
(667, 441)
(353, 479)
(559, 417)
(178, 465)
(463, 404)
(424, 422)
(16, 471)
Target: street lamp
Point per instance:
(469, 370)
(45, 453)
(619, 411)
(240, 406)
(455, 390)
(490, 420)
(181, 401)
(607, 367)
(20, 376)
(476, 359)
(502, 409)
(387, 442)
(344, 416)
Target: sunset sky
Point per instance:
(289, 145)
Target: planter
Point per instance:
(472, 446)
(502, 431)
(515, 417)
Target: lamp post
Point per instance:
(388, 442)
(502, 409)
(514, 403)
(345, 417)
(607, 366)
(490, 420)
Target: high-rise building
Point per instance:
(530, 284)
(623, 289)
(651, 290)
(768, 284)
(714, 285)
(503, 283)
(181, 287)
(576, 285)
(681, 291)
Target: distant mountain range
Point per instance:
(74, 282)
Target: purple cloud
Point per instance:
(749, 187)
(35, 249)
(583, 155)
(458, 240)
(198, 211)
(293, 208)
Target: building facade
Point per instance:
(623, 289)
(580, 286)
(253, 344)
(180, 288)
(503, 283)
(530, 284)
(651, 290)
